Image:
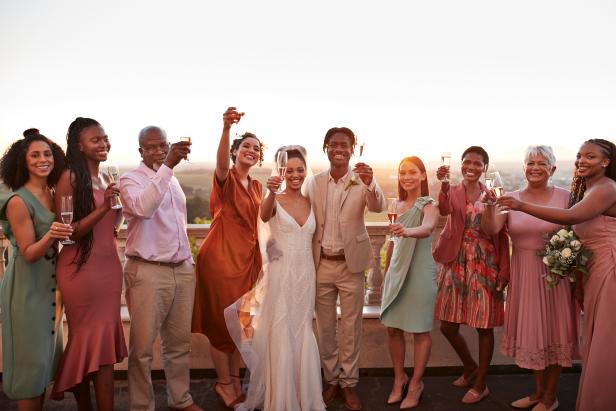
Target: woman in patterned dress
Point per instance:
(475, 267)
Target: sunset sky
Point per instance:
(409, 77)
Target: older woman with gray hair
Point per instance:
(540, 329)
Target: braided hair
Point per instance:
(236, 144)
(578, 184)
(344, 130)
(81, 181)
(13, 165)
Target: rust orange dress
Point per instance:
(229, 259)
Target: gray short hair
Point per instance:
(541, 150)
(147, 129)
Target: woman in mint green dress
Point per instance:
(409, 291)
(31, 320)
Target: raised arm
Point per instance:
(430, 219)
(83, 226)
(143, 201)
(491, 221)
(223, 162)
(268, 207)
(444, 205)
(23, 229)
(597, 200)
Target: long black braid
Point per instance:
(81, 181)
(578, 184)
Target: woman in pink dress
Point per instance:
(89, 273)
(540, 329)
(475, 265)
(593, 211)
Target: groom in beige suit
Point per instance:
(342, 252)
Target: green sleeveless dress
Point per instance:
(409, 291)
(31, 343)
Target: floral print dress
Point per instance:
(467, 286)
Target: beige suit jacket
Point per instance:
(355, 199)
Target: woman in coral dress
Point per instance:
(475, 267)
(89, 273)
(229, 259)
(592, 213)
(540, 329)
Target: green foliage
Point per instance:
(194, 248)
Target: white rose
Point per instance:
(571, 233)
(563, 233)
(548, 260)
(554, 240)
(566, 252)
(576, 245)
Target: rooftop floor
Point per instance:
(373, 389)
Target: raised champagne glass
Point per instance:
(113, 171)
(187, 140)
(392, 214)
(446, 161)
(281, 167)
(66, 215)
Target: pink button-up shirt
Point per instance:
(155, 211)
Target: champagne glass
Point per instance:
(66, 214)
(187, 140)
(497, 186)
(392, 213)
(281, 167)
(446, 161)
(362, 145)
(113, 171)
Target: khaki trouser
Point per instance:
(160, 300)
(340, 364)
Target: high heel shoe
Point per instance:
(396, 400)
(413, 397)
(233, 403)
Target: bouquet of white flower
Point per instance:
(564, 255)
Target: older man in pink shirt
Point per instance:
(159, 272)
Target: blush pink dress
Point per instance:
(540, 323)
(598, 380)
(92, 302)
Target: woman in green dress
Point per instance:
(410, 280)
(31, 317)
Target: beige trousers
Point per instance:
(340, 363)
(160, 300)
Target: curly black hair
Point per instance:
(344, 130)
(13, 165)
(236, 144)
(578, 184)
(81, 181)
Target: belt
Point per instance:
(337, 257)
(160, 263)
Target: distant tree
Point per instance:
(188, 190)
(197, 206)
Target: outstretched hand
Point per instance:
(231, 116)
(365, 173)
(509, 203)
(273, 183)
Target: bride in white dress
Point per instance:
(272, 325)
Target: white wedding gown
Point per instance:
(282, 353)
